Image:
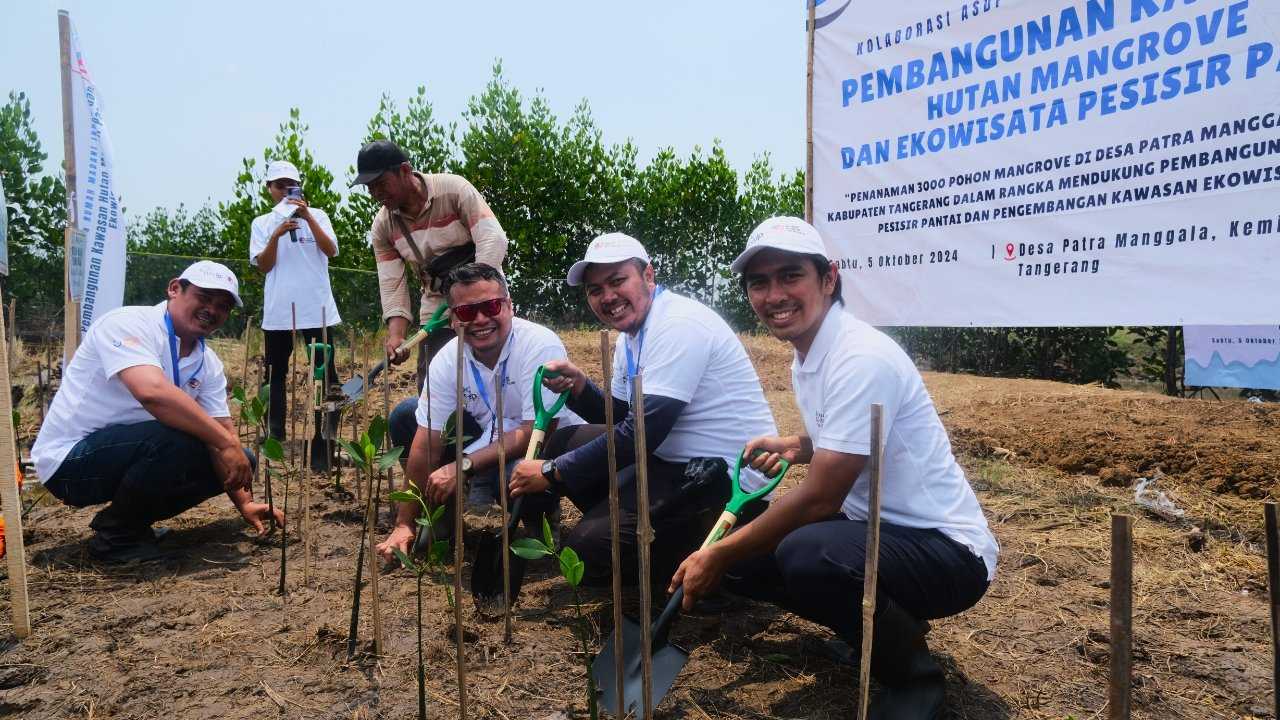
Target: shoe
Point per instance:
(913, 686)
(120, 550)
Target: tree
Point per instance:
(37, 215)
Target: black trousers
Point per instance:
(679, 527)
(279, 347)
(148, 471)
(427, 350)
(817, 572)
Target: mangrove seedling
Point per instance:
(432, 564)
(367, 455)
(571, 567)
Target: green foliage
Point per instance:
(36, 206)
(366, 453)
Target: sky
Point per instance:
(190, 89)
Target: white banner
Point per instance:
(1246, 356)
(4, 232)
(1050, 162)
(97, 204)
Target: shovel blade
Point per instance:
(486, 574)
(352, 390)
(668, 661)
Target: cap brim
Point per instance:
(739, 263)
(365, 178)
(576, 271)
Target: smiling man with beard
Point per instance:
(805, 550)
(141, 420)
(702, 399)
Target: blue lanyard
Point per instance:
(484, 393)
(634, 362)
(173, 352)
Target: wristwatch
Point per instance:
(549, 472)
(466, 465)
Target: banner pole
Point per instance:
(808, 118)
(71, 308)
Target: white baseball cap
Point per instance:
(606, 249)
(210, 275)
(283, 169)
(784, 233)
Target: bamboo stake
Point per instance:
(307, 442)
(374, 499)
(644, 536)
(871, 565)
(615, 519)
(808, 115)
(244, 371)
(17, 551)
(1121, 617)
(71, 308)
(355, 416)
(291, 403)
(458, 492)
(1273, 585)
(502, 499)
(330, 357)
(262, 464)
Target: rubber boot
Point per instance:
(319, 449)
(913, 686)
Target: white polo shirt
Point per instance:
(300, 275)
(689, 353)
(852, 365)
(92, 395)
(528, 346)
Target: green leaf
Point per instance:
(377, 430)
(439, 552)
(547, 538)
(530, 548)
(272, 448)
(389, 458)
(404, 559)
(424, 522)
(571, 567)
(436, 514)
(238, 395)
(357, 457)
(259, 409)
(264, 394)
(402, 496)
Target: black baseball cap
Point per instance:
(376, 158)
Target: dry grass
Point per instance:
(206, 637)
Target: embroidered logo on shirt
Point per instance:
(130, 342)
(820, 418)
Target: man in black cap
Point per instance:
(429, 222)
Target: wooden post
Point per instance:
(322, 423)
(374, 499)
(499, 409)
(16, 550)
(871, 565)
(1121, 617)
(458, 492)
(1273, 586)
(71, 308)
(291, 403)
(808, 115)
(355, 414)
(244, 370)
(644, 536)
(615, 519)
(305, 490)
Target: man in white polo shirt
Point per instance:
(702, 400)
(292, 245)
(141, 420)
(501, 350)
(806, 551)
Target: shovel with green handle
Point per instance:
(353, 389)
(486, 573)
(668, 659)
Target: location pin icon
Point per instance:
(1008, 251)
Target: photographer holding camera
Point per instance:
(292, 245)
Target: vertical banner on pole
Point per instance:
(4, 232)
(70, 288)
(99, 226)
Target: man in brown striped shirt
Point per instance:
(440, 212)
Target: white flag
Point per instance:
(98, 220)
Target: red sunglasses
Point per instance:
(491, 307)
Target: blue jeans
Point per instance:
(147, 471)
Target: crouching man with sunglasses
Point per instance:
(501, 354)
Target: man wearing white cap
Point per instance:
(702, 399)
(141, 420)
(292, 245)
(806, 551)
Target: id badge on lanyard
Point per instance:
(173, 354)
(633, 363)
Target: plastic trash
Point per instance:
(1146, 495)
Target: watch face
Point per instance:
(548, 469)
(466, 464)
